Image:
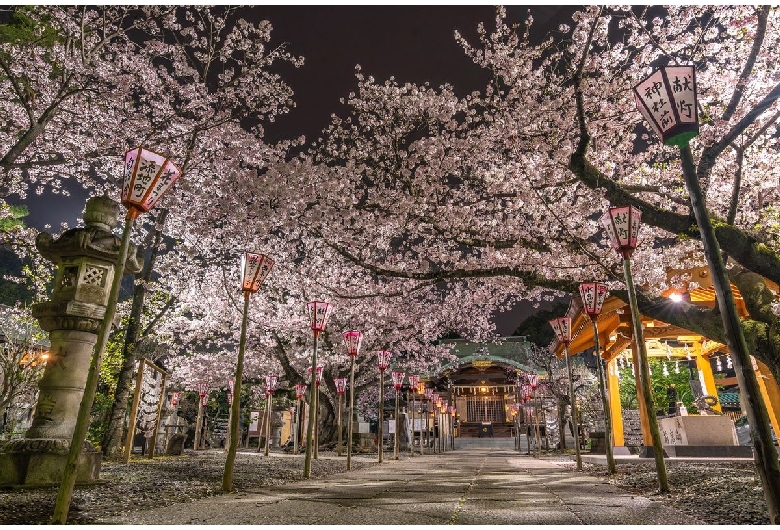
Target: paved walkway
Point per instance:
(478, 486)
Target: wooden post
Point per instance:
(268, 424)
(134, 412)
(198, 424)
(338, 446)
(153, 443)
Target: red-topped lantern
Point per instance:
(175, 398)
(300, 390)
(593, 295)
(667, 100)
(525, 391)
(147, 177)
(231, 385)
(204, 400)
(383, 359)
(203, 388)
(341, 384)
(452, 410)
(254, 270)
(434, 398)
(318, 379)
(533, 381)
(622, 226)
(562, 328)
(318, 314)
(428, 393)
(413, 382)
(352, 340)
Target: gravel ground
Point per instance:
(715, 493)
(144, 484)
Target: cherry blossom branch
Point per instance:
(747, 69)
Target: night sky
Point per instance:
(412, 43)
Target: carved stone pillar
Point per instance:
(85, 259)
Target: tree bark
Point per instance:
(114, 435)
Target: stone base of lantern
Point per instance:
(41, 461)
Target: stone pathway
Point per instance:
(475, 486)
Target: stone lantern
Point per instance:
(85, 259)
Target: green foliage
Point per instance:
(21, 29)
(660, 384)
(101, 408)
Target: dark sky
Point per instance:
(412, 43)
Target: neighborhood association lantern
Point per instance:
(254, 270)
(622, 226)
(270, 383)
(562, 328)
(667, 100)
(147, 177)
(398, 379)
(318, 377)
(203, 391)
(593, 295)
(352, 340)
(383, 359)
(300, 390)
(341, 384)
(318, 314)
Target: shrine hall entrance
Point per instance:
(481, 384)
(484, 409)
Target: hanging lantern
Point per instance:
(622, 227)
(147, 177)
(665, 371)
(383, 359)
(341, 384)
(668, 352)
(593, 295)
(254, 270)
(667, 100)
(398, 379)
(718, 364)
(729, 365)
(300, 390)
(270, 383)
(352, 340)
(318, 313)
(533, 381)
(175, 398)
(318, 379)
(562, 328)
(677, 367)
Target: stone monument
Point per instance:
(85, 260)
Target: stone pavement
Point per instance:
(474, 486)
